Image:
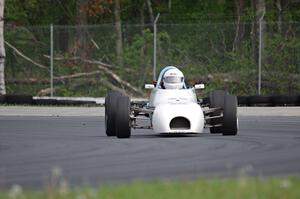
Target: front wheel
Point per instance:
(123, 127)
(216, 99)
(230, 120)
(110, 112)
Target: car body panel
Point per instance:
(164, 113)
(174, 103)
(172, 96)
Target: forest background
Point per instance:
(101, 45)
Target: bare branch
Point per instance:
(119, 80)
(56, 79)
(47, 91)
(97, 62)
(25, 57)
(27, 81)
(95, 44)
(77, 75)
(111, 86)
(103, 67)
(80, 59)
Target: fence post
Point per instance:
(154, 46)
(51, 59)
(259, 56)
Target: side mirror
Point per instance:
(149, 86)
(199, 86)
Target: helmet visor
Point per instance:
(173, 79)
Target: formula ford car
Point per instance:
(172, 109)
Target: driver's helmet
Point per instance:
(173, 79)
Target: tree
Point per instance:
(259, 7)
(2, 49)
(240, 27)
(150, 10)
(118, 28)
(260, 20)
(279, 20)
(80, 48)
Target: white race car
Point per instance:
(172, 109)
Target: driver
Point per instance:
(172, 79)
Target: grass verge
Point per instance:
(240, 188)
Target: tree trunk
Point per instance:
(143, 68)
(260, 13)
(80, 48)
(150, 10)
(2, 49)
(142, 17)
(254, 35)
(170, 6)
(81, 13)
(279, 18)
(118, 28)
(240, 27)
(63, 34)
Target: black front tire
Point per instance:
(230, 120)
(216, 99)
(123, 128)
(110, 112)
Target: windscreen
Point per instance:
(173, 79)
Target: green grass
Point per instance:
(240, 188)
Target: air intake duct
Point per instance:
(180, 123)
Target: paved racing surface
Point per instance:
(31, 147)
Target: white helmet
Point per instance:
(173, 79)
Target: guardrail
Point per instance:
(30, 100)
(274, 100)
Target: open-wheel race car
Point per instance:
(173, 108)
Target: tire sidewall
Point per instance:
(123, 129)
(110, 112)
(216, 99)
(230, 120)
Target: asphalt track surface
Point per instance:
(32, 148)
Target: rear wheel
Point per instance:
(110, 112)
(123, 129)
(230, 121)
(216, 99)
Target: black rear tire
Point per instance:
(230, 121)
(216, 99)
(110, 112)
(123, 129)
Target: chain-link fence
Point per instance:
(26, 68)
(85, 62)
